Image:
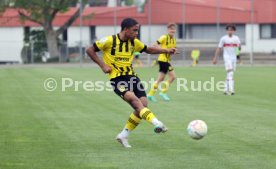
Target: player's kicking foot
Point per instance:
(164, 96)
(160, 128)
(225, 93)
(123, 141)
(151, 98)
(232, 94)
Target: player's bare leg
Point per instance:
(166, 85)
(172, 76)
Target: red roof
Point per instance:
(164, 11)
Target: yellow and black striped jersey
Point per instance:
(119, 54)
(166, 42)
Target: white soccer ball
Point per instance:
(197, 129)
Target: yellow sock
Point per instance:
(194, 62)
(147, 115)
(165, 87)
(153, 89)
(132, 122)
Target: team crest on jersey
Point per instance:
(121, 88)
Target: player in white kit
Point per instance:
(229, 43)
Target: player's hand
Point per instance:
(106, 69)
(172, 51)
(214, 60)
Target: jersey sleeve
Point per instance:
(162, 39)
(221, 42)
(139, 46)
(102, 44)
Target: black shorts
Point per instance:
(122, 84)
(165, 67)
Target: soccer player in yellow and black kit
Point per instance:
(118, 53)
(166, 41)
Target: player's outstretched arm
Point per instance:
(93, 55)
(157, 50)
(216, 56)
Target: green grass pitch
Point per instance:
(76, 130)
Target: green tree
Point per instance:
(43, 12)
(129, 2)
(5, 4)
(97, 2)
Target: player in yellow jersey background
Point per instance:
(118, 51)
(166, 41)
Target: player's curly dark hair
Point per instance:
(233, 26)
(127, 23)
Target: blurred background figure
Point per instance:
(166, 41)
(137, 61)
(154, 63)
(195, 56)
